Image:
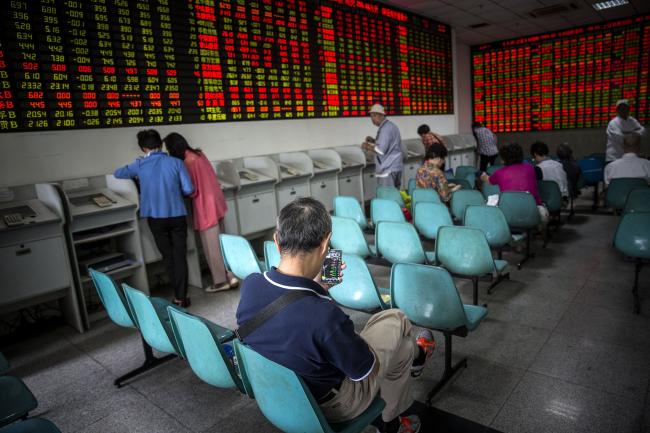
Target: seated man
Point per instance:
(313, 337)
(551, 170)
(630, 165)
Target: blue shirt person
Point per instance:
(163, 182)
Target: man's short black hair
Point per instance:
(539, 148)
(435, 150)
(302, 226)
(423, 129)
(511, 153)
(149, 139)
(477, 125)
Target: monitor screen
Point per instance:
(566, 79)
(67, 64)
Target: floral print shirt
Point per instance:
(429, 176)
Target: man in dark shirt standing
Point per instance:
(315, 338)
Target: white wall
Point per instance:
(30, 157)
(463, 84)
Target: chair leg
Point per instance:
(500, 253)
(635, 289)
(449, 369)
(150, 361)
(594, 207)
(500, 278)
(528, 253)
(475, 292)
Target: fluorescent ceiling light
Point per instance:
(609, 4)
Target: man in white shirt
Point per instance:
(629, 165)
(551, 170)
(387, 147)
(618, 127)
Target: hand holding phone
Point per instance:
(331, 273)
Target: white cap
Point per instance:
(377, 108)
(621, 102)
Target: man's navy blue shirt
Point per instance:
(312, 336)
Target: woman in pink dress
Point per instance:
(209, 208)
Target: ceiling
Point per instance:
(509, 19)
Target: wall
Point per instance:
(463, 84)
(31, 157)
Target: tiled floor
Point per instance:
(560, 351)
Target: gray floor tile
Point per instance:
(597, 323)
(529, 309)
(509, 344)
(596, 364)
(247, 418)
(175, 389)
(613, 295)
(142, 417)
(476, 393)
(543, 404)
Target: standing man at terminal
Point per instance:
(387, 147)
(618, 128)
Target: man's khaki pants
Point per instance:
(388, 334)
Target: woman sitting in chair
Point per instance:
(516, 176)
(432, 175)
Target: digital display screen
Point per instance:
(68, 64)
(561, 80)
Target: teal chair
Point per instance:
(428, 297)
(285, 400)
(618, 190)
(491, 220)
(117, 308)
(400, 243)
(466, 172)
(633, 239)
(152, 319)
(358, 290)
(349, 207)
(491, 169)
(422, 195)
(638, 200)
(427, 217)
(549, 192)
(411, 186)
(592, 169)
(271, 255)
(488, 189)
(520, 210)
(31, 425)
(201, 343)
(385, 210)
(239, 255)
(16, 400)
(347, 237)
(464, 251)
(464, 183)
(463, 198)
(4, 365)
(390, 193)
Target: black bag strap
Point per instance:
(270, 310)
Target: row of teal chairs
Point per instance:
(619, 190)
(170, 329)
(632, 238)
(16, 402)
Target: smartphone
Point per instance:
(331, 272)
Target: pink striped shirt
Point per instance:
(208, 201)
